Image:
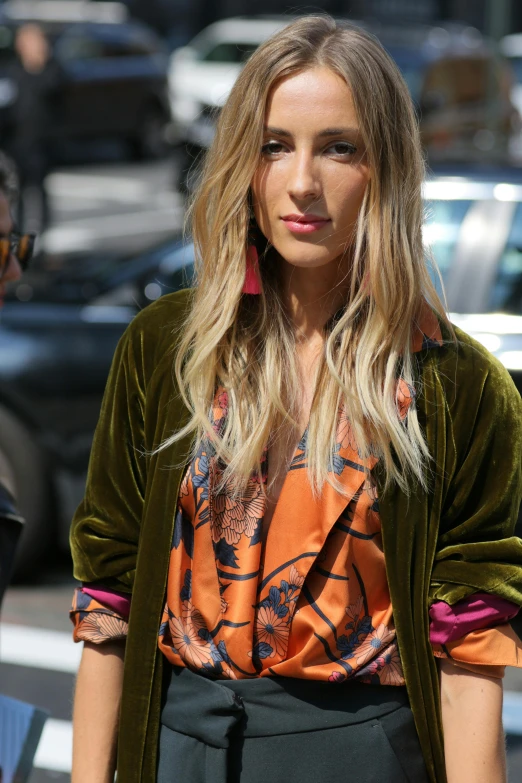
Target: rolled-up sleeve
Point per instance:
(476, 583)
(105, 529)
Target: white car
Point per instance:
(202, 74)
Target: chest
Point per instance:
(281, 450)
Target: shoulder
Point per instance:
(471, 377)
(157, 325)
(150, 340)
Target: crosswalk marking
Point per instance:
(55, 650)
(39, 648)
(89, 232)
(512, 712)
(55, 748)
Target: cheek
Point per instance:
(346, 198)
(267, 187)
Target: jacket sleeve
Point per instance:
(97, 617)
(105, 529)
(477, 550)
(478, 554)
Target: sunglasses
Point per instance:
(19, 245)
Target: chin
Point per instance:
(307, 256)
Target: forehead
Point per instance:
(315, 97)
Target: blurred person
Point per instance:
(28, 132)
(296, 544)
(15, 254)
(23, 723)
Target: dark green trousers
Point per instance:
(281, 730)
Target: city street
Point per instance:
(116, 206)
(113, 206)
(125, 206)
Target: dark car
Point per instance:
(113, 83)
(55, 353)
(61, 324)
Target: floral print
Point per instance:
(391, 671)
(272, 632)
(94, 622)
(312, 601)
(234, 517)
(345, 436)
(374, 643)
(405, 397)
(187, 637)
(187, 643)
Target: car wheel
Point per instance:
(151, 141)
(23, 472)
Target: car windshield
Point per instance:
(516, 64)
(506, 292)
(7, 53)
(412, 69)
(229, 52)
(441, 235)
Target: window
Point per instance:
(75, 46)
(441, 233)
(229, 52)
(506, 292)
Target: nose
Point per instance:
(303, 182)
(13, 271)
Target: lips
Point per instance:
(304, 224)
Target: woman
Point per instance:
(329, 469)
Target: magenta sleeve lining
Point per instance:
(118, 602)
(480, 610)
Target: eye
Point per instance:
(342, 149)
(271, 148)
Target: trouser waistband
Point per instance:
(212, 710)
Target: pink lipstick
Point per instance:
(304, 224)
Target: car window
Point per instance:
(506, 293)
(79, 47)
(93, 43)
(516, 64)
(441, 232)
(228, 52)
(6, 45)
(412, 68)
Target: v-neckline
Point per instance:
(300, 446)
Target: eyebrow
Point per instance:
(325, 132)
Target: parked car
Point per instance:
(458, 82)
(202, 73)
(113, 83)
(62, 321)
(58, 331)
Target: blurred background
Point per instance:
(106, 110)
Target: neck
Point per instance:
(313, 295)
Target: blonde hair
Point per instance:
(246, 343)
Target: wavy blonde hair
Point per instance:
(246, 343)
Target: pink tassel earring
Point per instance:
(252, 284)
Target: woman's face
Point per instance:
(313, 172)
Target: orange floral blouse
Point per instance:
(313, 602)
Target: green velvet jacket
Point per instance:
(444, 544)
